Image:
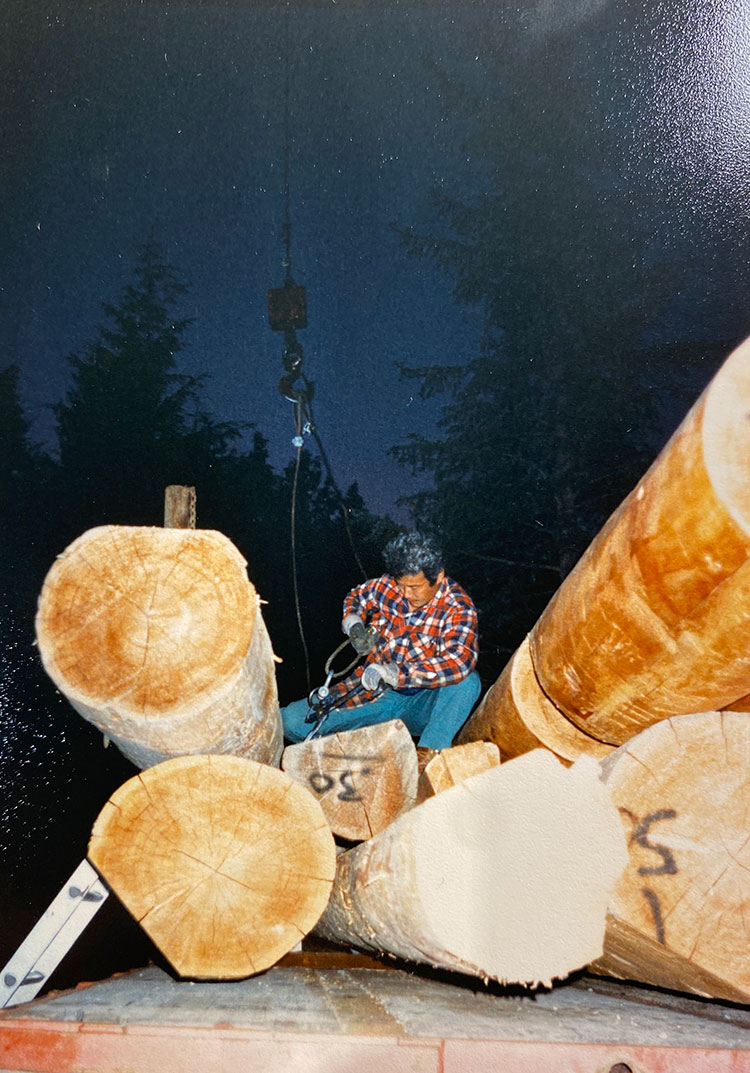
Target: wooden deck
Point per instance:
(345, 1014)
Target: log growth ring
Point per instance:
(683, 793)
(143, 617)
(226, 863)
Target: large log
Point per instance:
(225, 863)
(679, 914)
(156, 637)
(362, 778)
(506, 875)
(517, 715)
(653, 620)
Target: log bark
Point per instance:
(225, 863)
(680, 914)
(362, 778)
(453, 765)
(506, 875)
(517, 715)
(156, 637)
(653, 620)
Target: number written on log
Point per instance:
(640, 835)
(322, 783)
(655, 906)
(666, 867)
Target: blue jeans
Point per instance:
(432, 716)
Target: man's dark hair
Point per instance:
(413, 553)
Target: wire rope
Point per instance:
(302, 407)
(293, 528)
(342, 505)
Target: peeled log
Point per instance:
(654, 619)
(506, 875)
(742, 704)
(225, 863)
(454, 765)
(680, 914)
(518, 717)
(362, 778)
(157, 638)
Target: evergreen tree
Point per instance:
(131, 423)
(25, 474)
(16, 452)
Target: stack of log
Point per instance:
(156, 636)
(611, 834)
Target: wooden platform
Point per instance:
(298, 1017)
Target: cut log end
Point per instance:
(362, 778)
(141, 617)
(556, 857)
(225, 863)
(726, 435)
(679, 912)
(156, 637)
(454, 765)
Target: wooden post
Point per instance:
(363, 778)
(224, 862)
(653, 620)
(156, 637)
(179, 507)
(518, 717)
(505, 875)
(678, 915)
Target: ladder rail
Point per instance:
(53, 935)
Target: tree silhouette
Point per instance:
(25, 491)
(131, 423)
(569, 257)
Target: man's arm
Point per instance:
(359, 601)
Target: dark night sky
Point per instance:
(123, 116)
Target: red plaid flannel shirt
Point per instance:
(436, 645)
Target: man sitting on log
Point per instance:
(420, 666)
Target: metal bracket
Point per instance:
(52, 936)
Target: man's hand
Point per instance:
(375, 673)
(361, 638)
